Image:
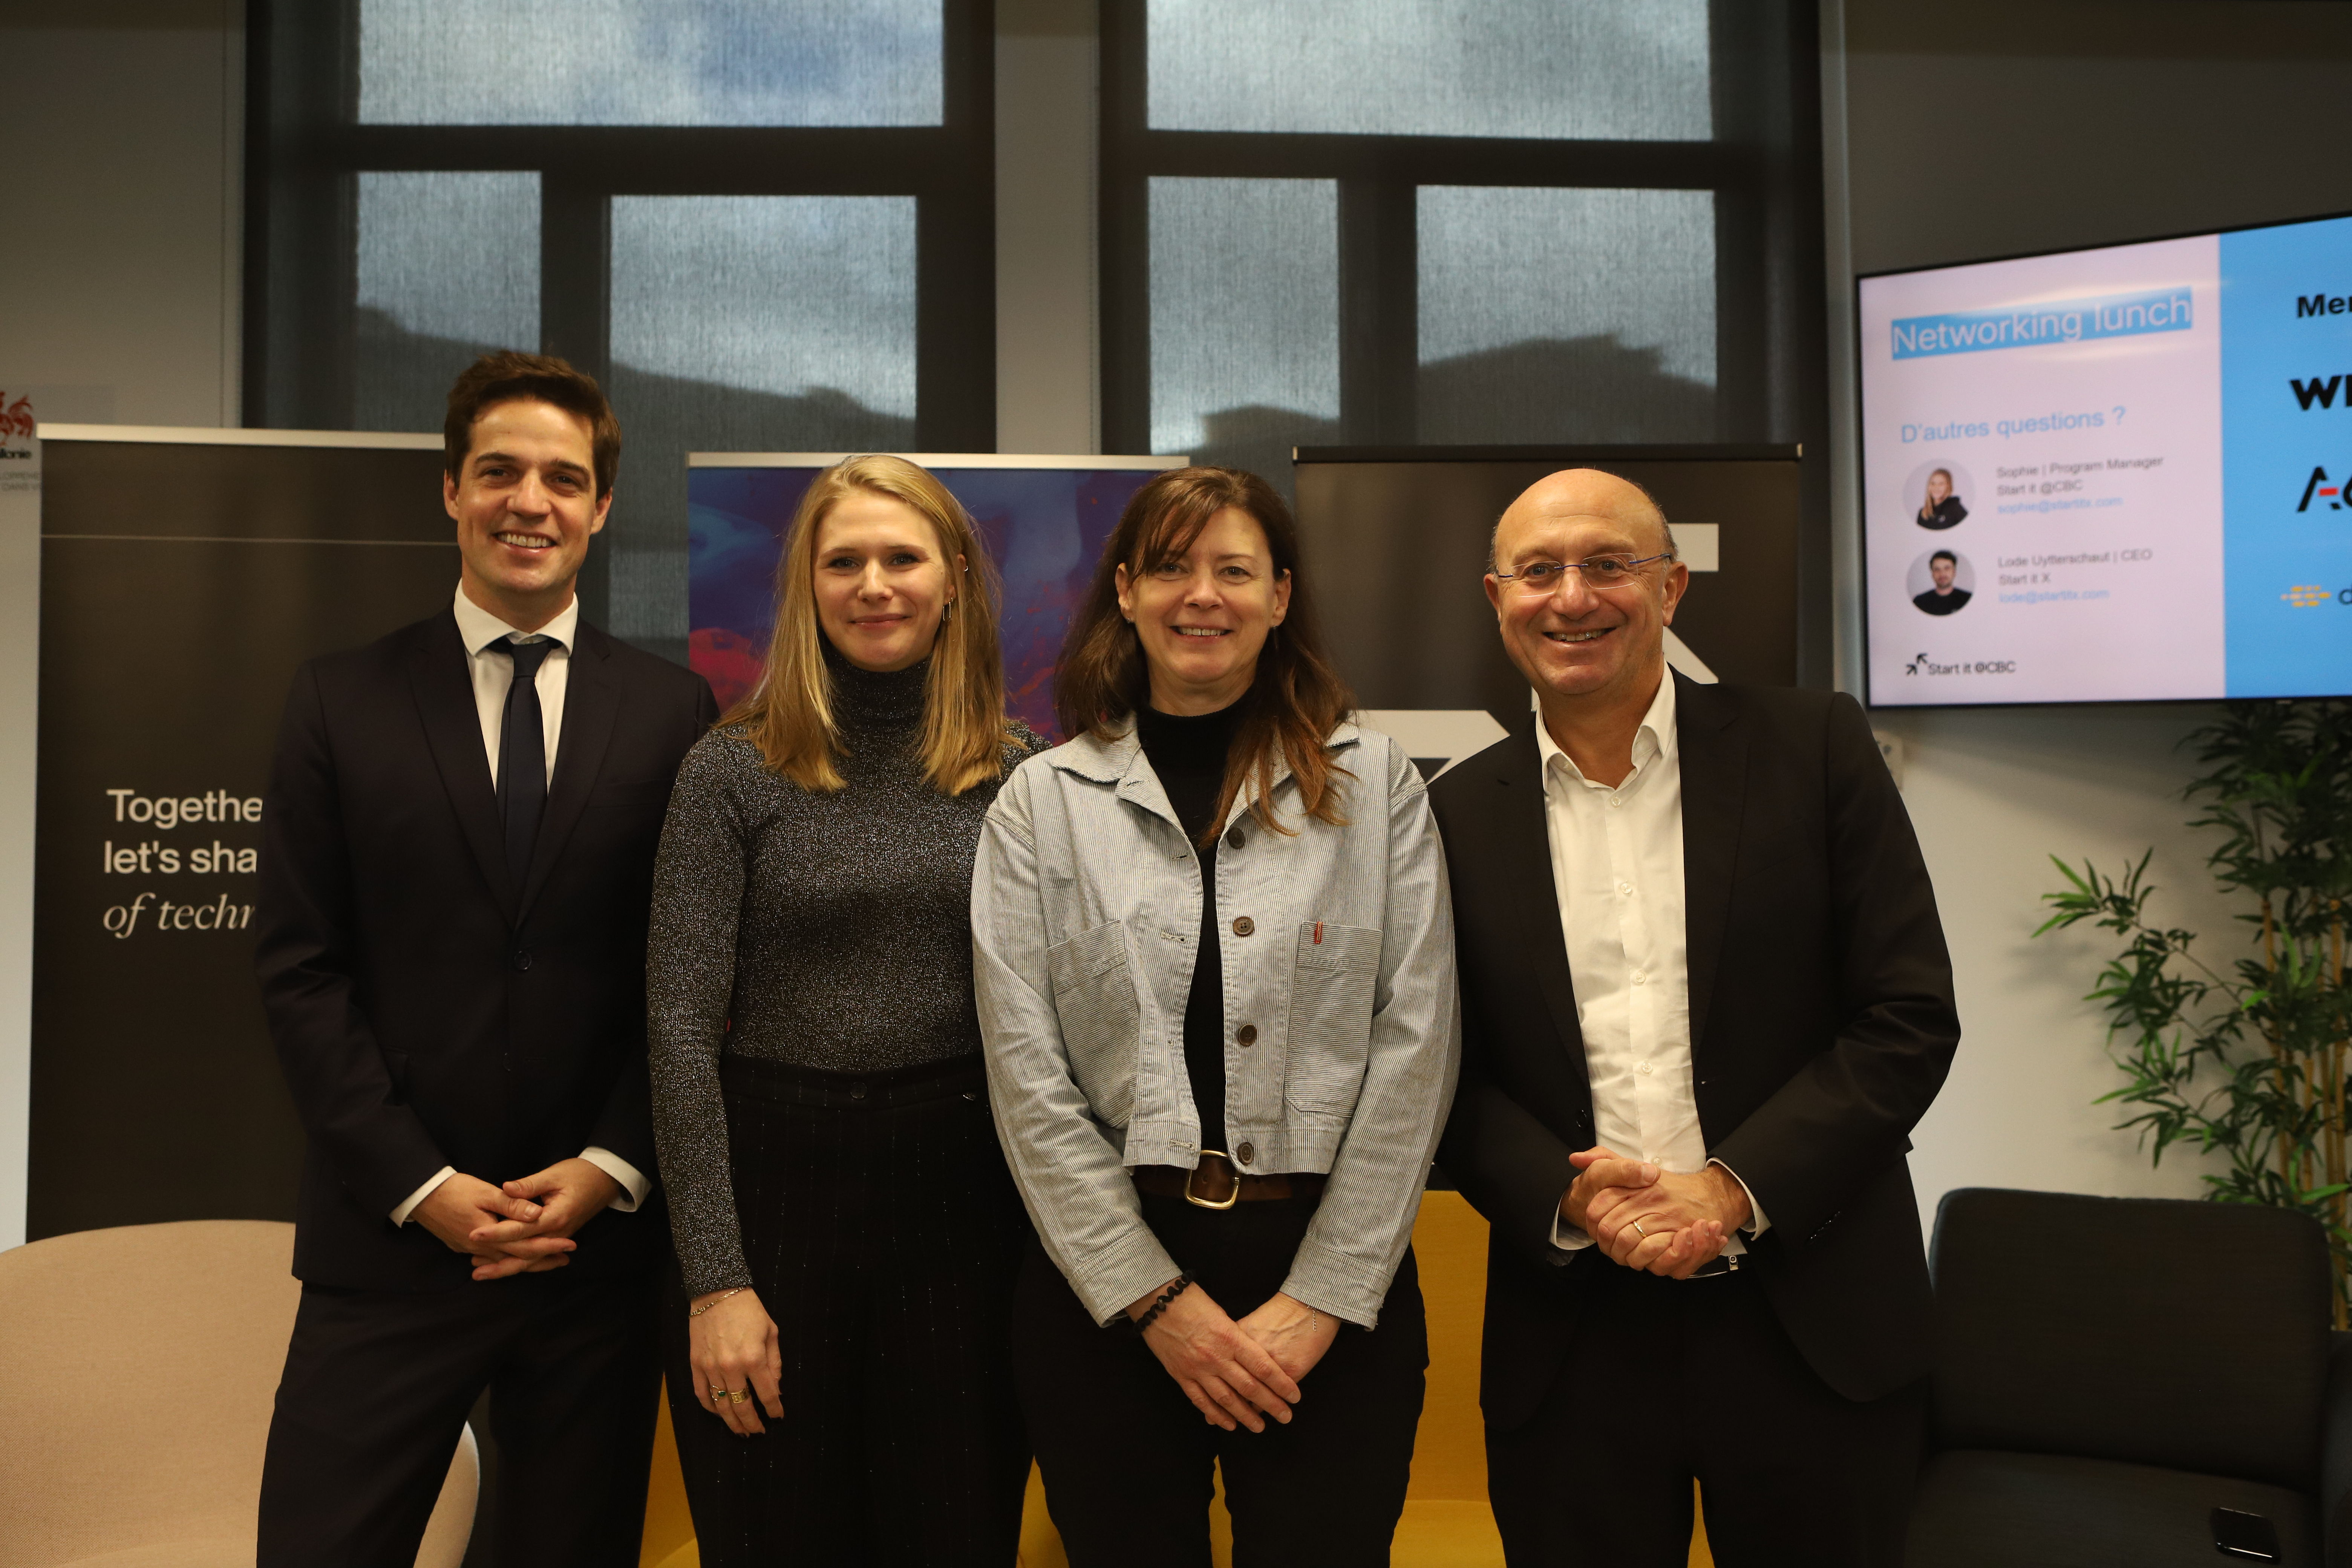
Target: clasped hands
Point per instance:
(522, 1228)
(1657, 1221)
(1237, 1373)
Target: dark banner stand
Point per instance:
(1398, 540)
(184, 574)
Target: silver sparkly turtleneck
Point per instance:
(829, 930)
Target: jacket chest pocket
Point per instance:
(1095, 997)
(1332, 982)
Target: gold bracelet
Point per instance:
(697, 1311)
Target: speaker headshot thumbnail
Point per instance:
(1941, 583)
(1936, 491)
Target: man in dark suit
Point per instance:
(459, 847)
(1705, 998)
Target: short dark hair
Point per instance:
(502, 377)
(1944, 555)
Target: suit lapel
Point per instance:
(1714, 750)
(442, 679)
(1527, 861)
(591, 702)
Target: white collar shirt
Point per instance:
(1617, 869)
(494, 672)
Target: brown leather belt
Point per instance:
(1215, 1183)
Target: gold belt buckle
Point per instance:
(1233, 1194)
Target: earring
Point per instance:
(947, 613)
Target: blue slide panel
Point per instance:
(2286, 458)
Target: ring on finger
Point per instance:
(738, 1396)
(1638, 1231)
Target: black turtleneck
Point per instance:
(828, 929)
(1189, 753)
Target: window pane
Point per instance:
(1244, 318)
(650, 62)
(1605, 69)
(447, 268)
(1566, 315)
(747, 325)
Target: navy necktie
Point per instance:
(522, 754)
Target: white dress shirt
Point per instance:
(1617, 867)
(493, 674)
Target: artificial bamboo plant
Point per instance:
(2246, 1058)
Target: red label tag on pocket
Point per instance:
(1318, 933)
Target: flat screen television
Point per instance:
(2117, 474)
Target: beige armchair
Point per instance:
(137, 1370)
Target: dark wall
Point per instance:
(1981, 127)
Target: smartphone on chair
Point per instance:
(2237, 1533)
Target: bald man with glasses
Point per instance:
(1705, 998)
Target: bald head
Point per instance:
(1583, 493)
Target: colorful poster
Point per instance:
(1044, 521)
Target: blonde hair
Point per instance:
(789, 715)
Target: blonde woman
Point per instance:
(847, 1232)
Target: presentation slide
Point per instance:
(2112, 474)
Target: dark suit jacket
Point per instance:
(1821, 1025)
(427, 1011)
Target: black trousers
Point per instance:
(1127, 1459)
(1668, 1380)
(376, 1388)
(882, 1231)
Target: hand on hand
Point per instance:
(1294, 1333)
(564, 1196)
(1229, 1376)
(464, 1209)
(735, 1347)
(1650, 1219)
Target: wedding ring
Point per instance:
(1638, 1231)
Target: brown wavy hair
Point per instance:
(1295, 699)
(789, 715)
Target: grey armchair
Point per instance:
(2110, 1371)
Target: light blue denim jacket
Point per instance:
(1086, 915)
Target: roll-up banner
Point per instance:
(20, 622)
(185, 575)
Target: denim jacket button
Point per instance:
(1246, 1152)
(1244, 926)
(1246, 1034)
(1236, 839)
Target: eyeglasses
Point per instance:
(1600, 572)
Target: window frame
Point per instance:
(304, 143)
(1763, 164)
